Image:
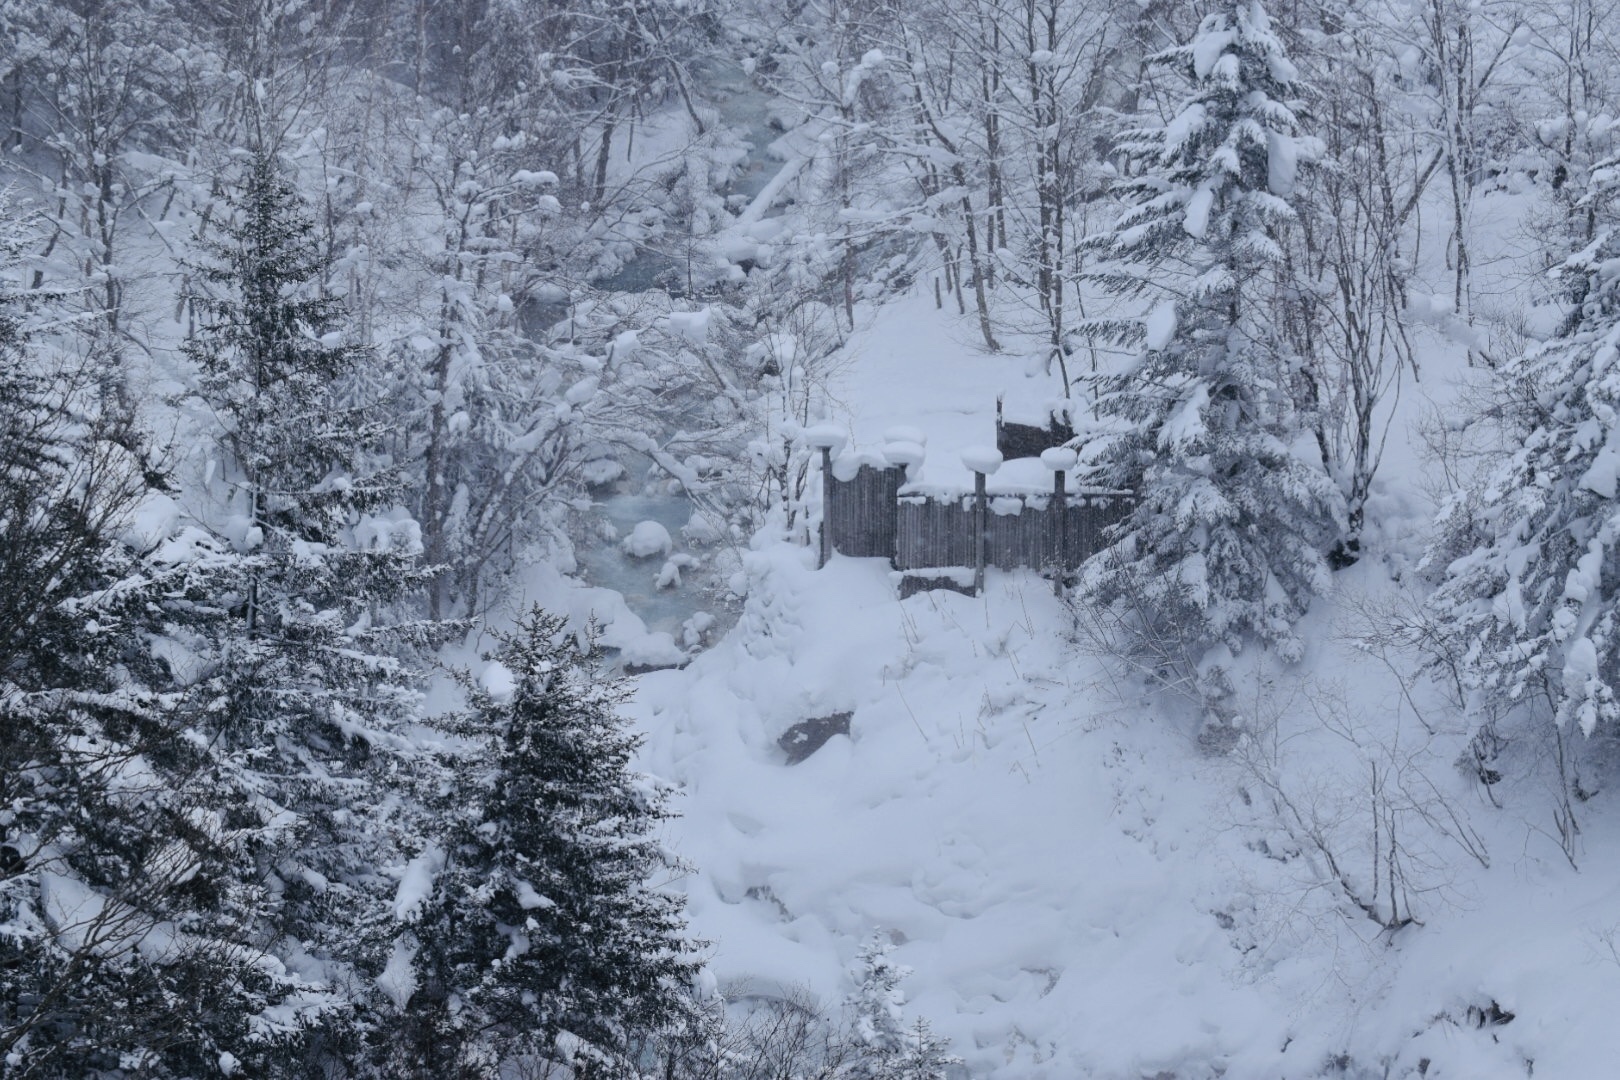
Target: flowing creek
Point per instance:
(668, 607)
(606, 563)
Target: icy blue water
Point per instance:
(607, 565)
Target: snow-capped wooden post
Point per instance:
(1060, 460)
(979, 525)
(904, 447)
(827, 439)
(826, 501)
(983, 461)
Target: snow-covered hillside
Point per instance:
(1083, 887)
(361, 359)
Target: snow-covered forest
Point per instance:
(419, 652)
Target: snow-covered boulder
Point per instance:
(669, 575)
(647, 539)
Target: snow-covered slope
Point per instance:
(1081, 890)
(1081, 887)
(993, 809)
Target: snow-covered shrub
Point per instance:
(886, 1046)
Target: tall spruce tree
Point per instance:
(1225, 543)
(1529, 598)
(120, 942)
(546, 937)
(290, 601)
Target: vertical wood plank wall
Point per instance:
(867, 518)
(860, 513)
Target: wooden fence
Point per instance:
(867, 517)
(939, 532)
(859, 516)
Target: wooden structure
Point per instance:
(867, 516)
(1016, 440)
(1061, 533)
(858, 515)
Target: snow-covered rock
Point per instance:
(646, 540)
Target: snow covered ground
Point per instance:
(1080, 888)
(914, 366)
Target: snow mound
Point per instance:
(648, 539)
(982, 459)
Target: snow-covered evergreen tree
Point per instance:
(547, 936)
(311, 547)
(121, 938)
(1225, 542)
(286, 605)
(885, 1046)
(1529, 594)
(877, 1000)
